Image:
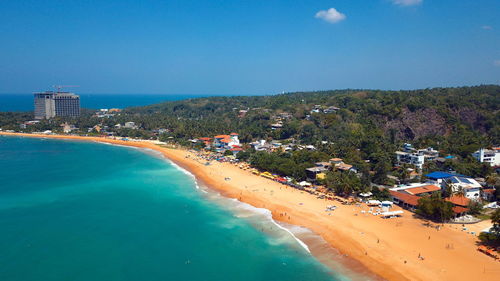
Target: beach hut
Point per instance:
(365, 195)
(373, 203)
(391, 214)
(387, 204)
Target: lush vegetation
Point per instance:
(435, 208)
(287, 164)
(365, 131)
(344, 183)
(493, 237)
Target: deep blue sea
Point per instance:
(72, 210)
(24, 102)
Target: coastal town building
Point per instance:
(68, 128)
(236, 149)
(130, 125)
(316, 109)
(346, 168)
(330, 109)
(458, 200)
(206, 141)
(324, 109)
(28, 123)
(438, 177)
(336, 161)
(316, 173)
(226, 141)
(261, 145)
(488, 194)
(410, 158)
(468, 186)
(410, 202)
(490, 156)
(242, 113)
(285, 115)
(277, 125)
(50, 104)
(339, 164)
(405, 200)
(107, 113)
(416, 157)
(422, 190)
(430, 154)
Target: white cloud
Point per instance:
(496, 63)
(407, 2)
(487, 27)
(331, 15)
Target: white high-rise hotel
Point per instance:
(51, 104)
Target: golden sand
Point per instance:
(389, 248)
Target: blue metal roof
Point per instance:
(442, 175)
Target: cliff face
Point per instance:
(430, 122)
(472, 118)
(413, 125)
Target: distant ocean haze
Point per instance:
(24, 102)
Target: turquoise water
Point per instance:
(86, 211)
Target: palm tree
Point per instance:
(450, 190)
(460, 191)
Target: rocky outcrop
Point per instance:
(413, 125)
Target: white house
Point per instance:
(130, 125)
(470, 187)
(416, 159)
(429, 153)
(67, 128)
(226, 141)
(490, 156)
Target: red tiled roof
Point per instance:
(492, 191)
(422, 189)
(459, 210)
(206, 139)
(458, 200)
(234, 134)
(406, 198)
(236, 149)
(222, 137)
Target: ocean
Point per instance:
(24, 102)
(73, 210)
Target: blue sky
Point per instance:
(247, 47)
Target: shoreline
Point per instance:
(386, 248)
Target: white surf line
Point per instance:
(263, 211)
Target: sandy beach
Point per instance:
(390, 248)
